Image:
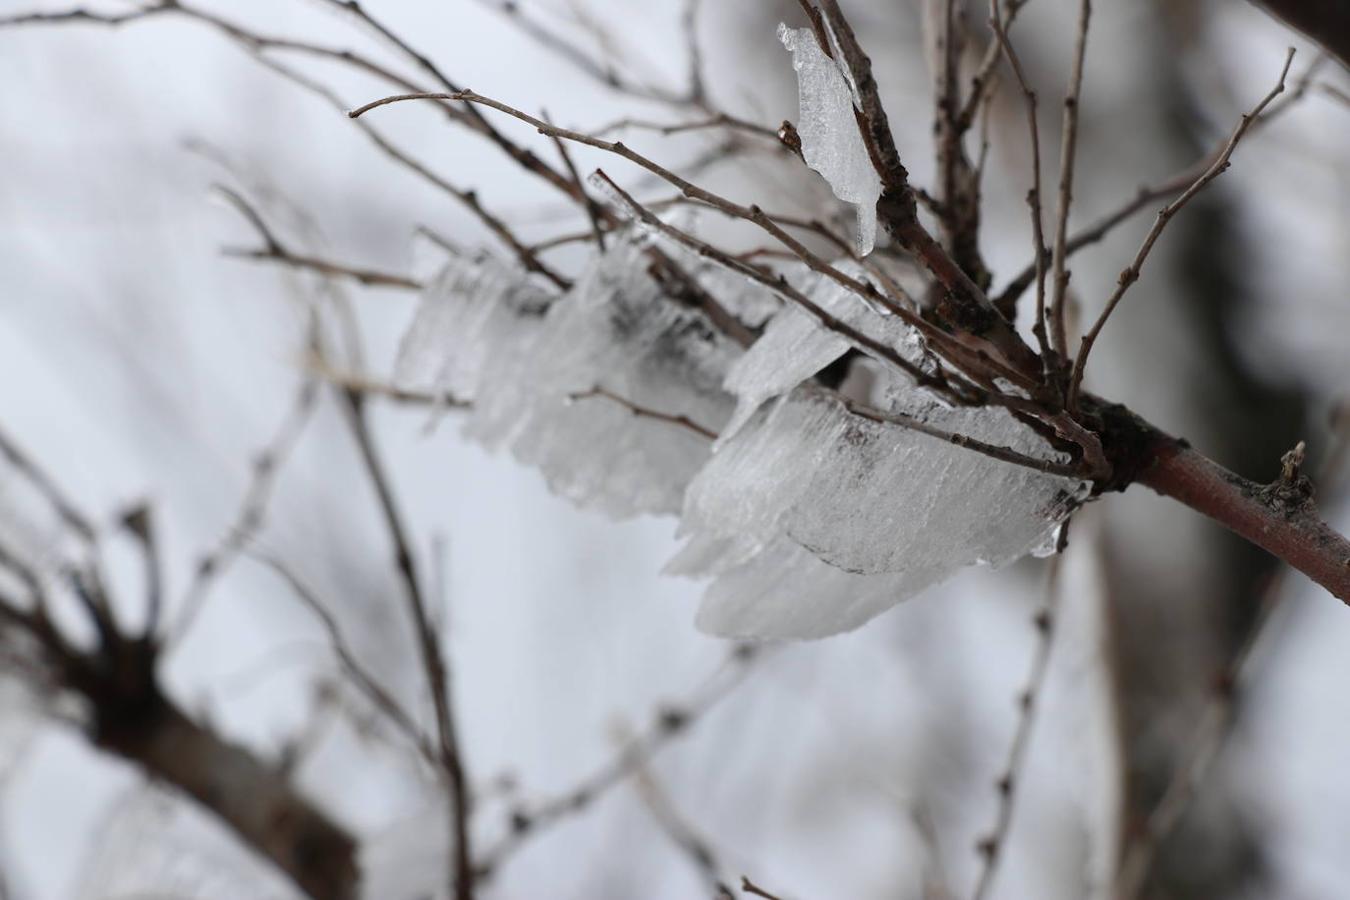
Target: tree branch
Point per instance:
(1276, 518)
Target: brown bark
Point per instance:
(1325, 21)
(1279, 518)
(132, 718)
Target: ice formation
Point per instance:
(831, 143)
(808, 518)
(795, 346)
(813, 520)
(530, 366)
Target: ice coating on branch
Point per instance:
(532, 367)
(809, 519)
(795, 345)
(813, 520)
(831, 143)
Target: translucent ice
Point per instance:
(795, 345)
(831, 143)
(472, 309)
(813, 519)
(532, 369)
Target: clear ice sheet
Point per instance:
(828, 128)
(812, 519)
(487, 335)
(795, 346)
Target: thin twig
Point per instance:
(273, 249)
(1131, 272)
(66, 510)
(468, 198)
(139, 522)
(1068, 151)
(991, 846)
(666, 129)
(428, 641)
(1001, 341)
(994, 451)
(1168, 187)
(669, 723)
(594, 212)
(779, 284)
(999, 23)
(982, 80)
(602, 72)
(750, 887)
(643, 412)
(252, 512)
(379, 698)
(682, 834)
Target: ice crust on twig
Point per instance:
(831, 142)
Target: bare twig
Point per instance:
(669, 723)
(428, 643)
(1068, 151)
(991, 846)
(1168, 187)
(1131, 272)
(698, 89)
(643, 412)
(602, 71)
(67, 511)
(594, 212)
(999, 340)
(994, 451)
(379, 698)
(252, 513)
(780, 285)
(982, 81)
(749, 887)
(999, 23)
(139, 523)
(682, 834)
(720, 120)
(468, 198)
(958, 208)
(273, 249)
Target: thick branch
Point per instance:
(1325, 21)
(254, 799)
(1282, 522)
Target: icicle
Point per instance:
(828, 128)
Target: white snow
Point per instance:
(831, 143)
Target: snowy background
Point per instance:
(138, 362)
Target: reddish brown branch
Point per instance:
(1280, 520)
